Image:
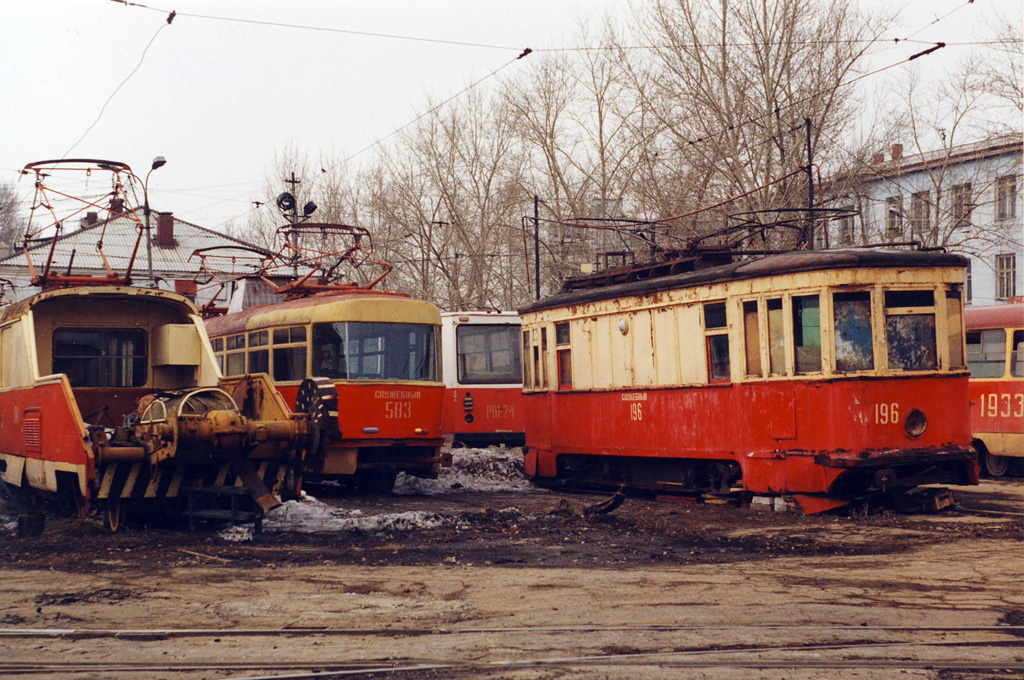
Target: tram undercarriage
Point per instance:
(886, 477)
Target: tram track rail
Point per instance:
(155, 633)
(692, 658)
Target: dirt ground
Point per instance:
(526, 585)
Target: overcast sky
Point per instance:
(219, 98)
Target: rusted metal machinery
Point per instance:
(110, 394)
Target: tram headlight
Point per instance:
(916, 423)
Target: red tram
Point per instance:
(995, 356)
(373, 356)
(827, 375)
(482, 378)
(110, 396)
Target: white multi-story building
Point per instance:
(963, 198)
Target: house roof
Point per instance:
(961, 153)
(118, 244)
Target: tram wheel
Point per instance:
(115, 513)
(997, 466)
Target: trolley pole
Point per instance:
(295, 209)
(536, 243)
(810, 187)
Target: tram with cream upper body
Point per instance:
(378, 350)
(482, 378)
(995, 356)
(824, 375)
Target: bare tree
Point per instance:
(12, 225)
(732, 83)
(450, 190)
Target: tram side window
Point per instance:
(910, 329)
(854, 348)
(986, 353)
(1017, 361)
(776, 337)
(234, 357)
(564, 355)
(527, 364)
(716, 340)
(752, 338)
(954, 329)
(807, 333)
(101, 358)
(259, 355)
(218, 352)
(289, 353)
(543, 357)
(487, 354)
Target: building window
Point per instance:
(716, 333)
(1006, 197)
(1006, 276)
(920, 213)
(963, 204)
(846, 233)
(894, 217)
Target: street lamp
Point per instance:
(158, 162)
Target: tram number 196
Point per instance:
(887, 413)
(636, 411)
(398, 410)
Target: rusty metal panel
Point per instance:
(642, 333)
(666, 346)
(581, 333)
(691, 346)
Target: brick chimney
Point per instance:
(116, 206)
(897, 151)
(89, 220)
(165, 230)
(878, 158)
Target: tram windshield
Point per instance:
(101, 358)
(488, 354)
(375, 351)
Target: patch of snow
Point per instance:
(236, 534)
(311, 517)
(472, 470)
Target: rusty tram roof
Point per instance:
(182, 303)
(688, 272)
(995, 316)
